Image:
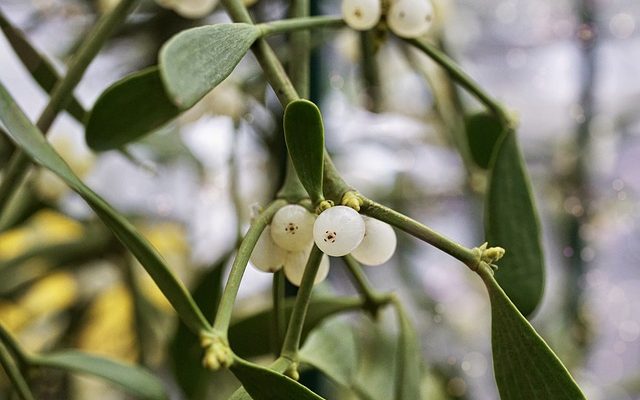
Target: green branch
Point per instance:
(225, 308)
(298, 24)
(468, 256)
(15, 376)
(293, 335)
(279, 320)
(462, 78)
(62, 93)
(8, 340)
(372, 299)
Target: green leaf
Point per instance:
(483, 131)
(40, 68)
(185, 348)
(376, 366)
(304, 134)
(511, 221)
(525, 367)
(195, 61)
(129, 109)
(242, 333)
(33, 143)
(265, 384)
(332, 349)
(133, 379)
(408, 372)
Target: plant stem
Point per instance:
(14, 374)
(300, 23)
(422, 232)
(462, 78)
(279, 317)
(370, 71)
(284, 89)
(225, 308)
(299, 68)
(372, 299)
(8, 340)
(293, 335)
(292, 189)
(62, 93)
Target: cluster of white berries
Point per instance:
(406, 18)
(337, 231)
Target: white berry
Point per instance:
(338, 230)
(410, 18)
(292, 228)
(296, 263)
(378, 244)
(267, 256)
(361, 15)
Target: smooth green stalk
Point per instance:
(462, 78)
(370, 71)
(8, 340)
(447, 105)
(372, 299)
(300, 24)
(142, 331)
(225, 308)
(300, 45)
(271, 66)
(15, 376)
(333, 184)
(62, 93)
(278, 323)
(292, 189)
(292, 338)
(403, 321)
(422, 232)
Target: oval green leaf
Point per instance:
(242, 333)
(304, 134)
(265, 384)
(129, 109)
(377, 366)
(131, 378)
(38, 66)
(195, 61)
(332, 349)
(28, 138)
(511, 221)
(525, 367)
(483, 131)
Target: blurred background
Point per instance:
(567, 69)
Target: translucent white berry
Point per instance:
(190, 8)
(292, 228)
(378, 244)
(361, 14)
(267, 256)
(410, 18)
(338, 230)
(296, 263)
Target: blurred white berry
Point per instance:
(296, 263)
(267, 256)
(378, 244)
(338, 230)
(410, 18)
(361, 14)
(190, 8)
(292, 228)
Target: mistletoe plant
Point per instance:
(315, 215)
